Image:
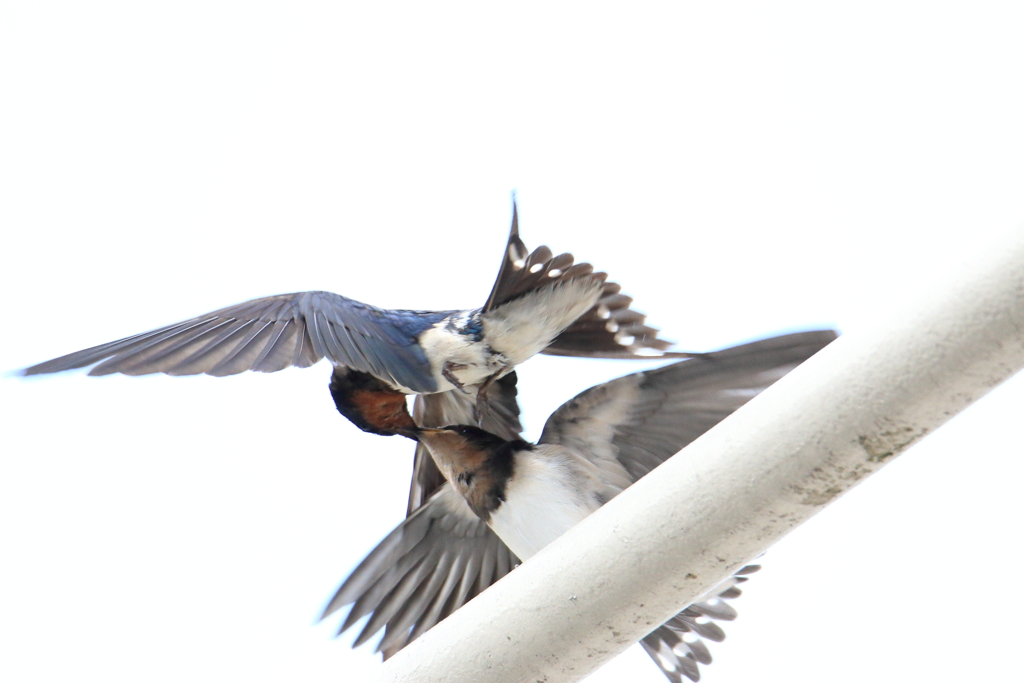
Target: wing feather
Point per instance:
(442, 584)
(246, 350)
(279, 349)
(640, 420)
(677, 646)
(411, 587)
(435, 561)
(610, 329)
(194, 353)
(270, 334)
(136, 349)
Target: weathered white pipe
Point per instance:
(738, 489)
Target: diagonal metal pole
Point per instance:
(738, 489)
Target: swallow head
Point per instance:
(477, 463)
(371, 404)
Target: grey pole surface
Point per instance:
(738, 489)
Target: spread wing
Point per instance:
(275, 332)
(270, 334)
(638, 421)
(610, 329)
(434, 562)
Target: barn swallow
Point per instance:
(539, 303)
(592, 448)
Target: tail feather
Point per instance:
(677, 646)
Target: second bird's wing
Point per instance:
(638, 421)
(435, 561)
(633, 424)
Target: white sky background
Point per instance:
(741, 170)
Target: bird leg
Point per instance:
(447, 371)
(483, 404)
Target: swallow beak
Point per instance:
(438, 440)
(426, 435)
(408, 432)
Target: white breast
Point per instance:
(545, 497)
(472, 360)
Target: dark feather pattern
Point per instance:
(610, 329)
(676, 646)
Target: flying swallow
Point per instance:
(539, 303)
(592, 448)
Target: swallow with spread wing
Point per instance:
(539, 303)
(592, 448)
